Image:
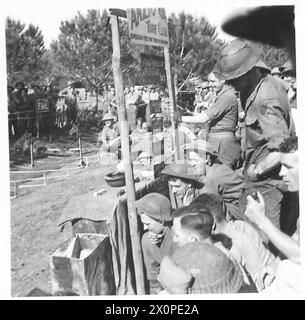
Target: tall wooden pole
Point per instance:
(172, 101)
(130, 188)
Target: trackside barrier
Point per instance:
(17, 183)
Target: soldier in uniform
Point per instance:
(132, 109)
(217, 177)
(223, 119)
(157, 240)
(108, 134)
(267, 120)
(184, 184)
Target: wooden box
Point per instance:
(83, 266)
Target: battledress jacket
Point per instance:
(268, 119)
(228, 183)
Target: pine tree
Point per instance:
(24, 49)
(194, 46)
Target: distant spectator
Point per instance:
(12, 109)
(132, 109)
(16, 95)
(139, 125)
(72, 108)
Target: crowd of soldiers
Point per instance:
(31, 110)
(234, 198)
(231, 221)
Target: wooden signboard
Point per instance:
(148, 26)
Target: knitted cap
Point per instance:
(156, 206)
(212, 270)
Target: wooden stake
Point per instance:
(44, 179)
(37, 124)
(80, 149)
(32, 154)
(172, 101)
(130, 187)
(15, 189)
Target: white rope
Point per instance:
(44, 177)
(38, 171)
(30, 179)
(30, 185)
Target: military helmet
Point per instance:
(155, 205)
(237, 58)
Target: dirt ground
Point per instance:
(35, 213)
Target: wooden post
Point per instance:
(37, 124)
(172, 101)
(80, 149)
(32, 154)
(130, 187)
(15, 189)
(44, 179)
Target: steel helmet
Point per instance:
(237, 58)
(155, 205)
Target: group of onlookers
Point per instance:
(31, 109)
(230, 220)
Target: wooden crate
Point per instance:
(83, 266)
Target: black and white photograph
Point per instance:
(151, 149)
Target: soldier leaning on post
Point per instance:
(267, 120)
